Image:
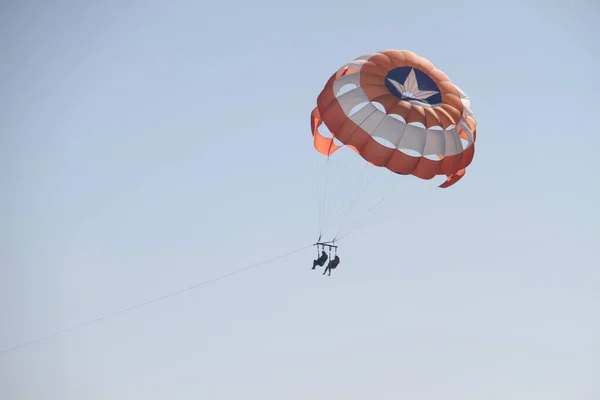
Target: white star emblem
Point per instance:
(410, 87)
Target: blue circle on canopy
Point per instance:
(402, 79)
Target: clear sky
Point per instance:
(147, 146)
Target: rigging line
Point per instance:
(319, 200)
(378, 179)
(324, 181)
(379, 203)
(343, 207)
(148, 302)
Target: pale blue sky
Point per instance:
(147, 146)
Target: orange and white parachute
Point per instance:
(419, 110)
(397, 111)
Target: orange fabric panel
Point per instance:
(323, 145)
(416, 114)
(375, 152)
(401, 163)
(452, 179)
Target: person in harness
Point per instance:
(321, 260)
(332, 265)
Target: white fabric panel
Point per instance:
(390, 129)
(453, 144)
(463, 124)
(467, 109)
(425, 141)
(413, 138)
(351, 99)
(461, 93)
(358, 62)
(361, 115)
(466, 101)
(467, 129)
(365, 57)
(339, 83)
(435, 142)
(373, 119)
(354, 64)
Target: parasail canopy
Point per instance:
(398, 111)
